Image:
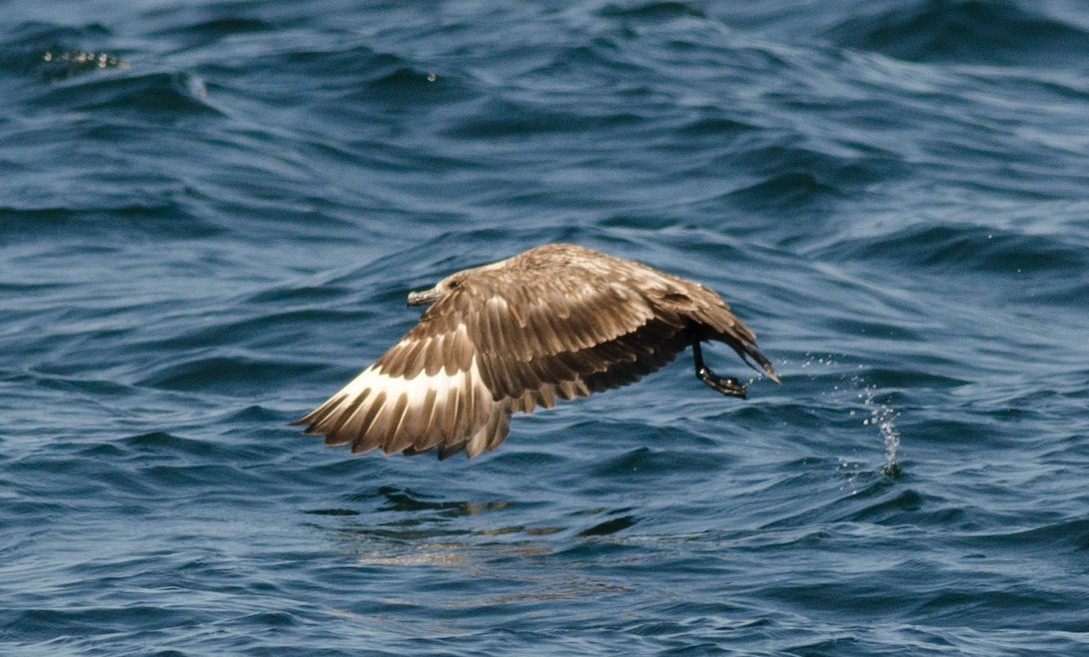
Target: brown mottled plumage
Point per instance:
(557, 321)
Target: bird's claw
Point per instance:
(727, 385)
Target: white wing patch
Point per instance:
(397, 413)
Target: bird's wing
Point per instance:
(564, 333)
(427, 391)
(503, 342)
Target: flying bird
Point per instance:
(556, 321)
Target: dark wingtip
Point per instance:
(766, 365)
(749, 351)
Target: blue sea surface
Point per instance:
(211, 213)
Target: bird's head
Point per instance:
(437, 293)
(448, 285)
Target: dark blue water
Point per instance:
(211, 212)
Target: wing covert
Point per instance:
(564, 333)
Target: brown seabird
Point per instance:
(558, 320)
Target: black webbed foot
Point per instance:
(727, 385)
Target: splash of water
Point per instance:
(883, 417)
(878, 413)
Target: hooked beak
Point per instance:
(424, 298)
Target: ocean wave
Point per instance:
(968, 248)
(652, 11)
(169, 94)
(967, 31)
(218, 375)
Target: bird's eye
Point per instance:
(454, 284)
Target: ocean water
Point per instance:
(211, 213)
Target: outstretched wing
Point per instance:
(425, 392)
